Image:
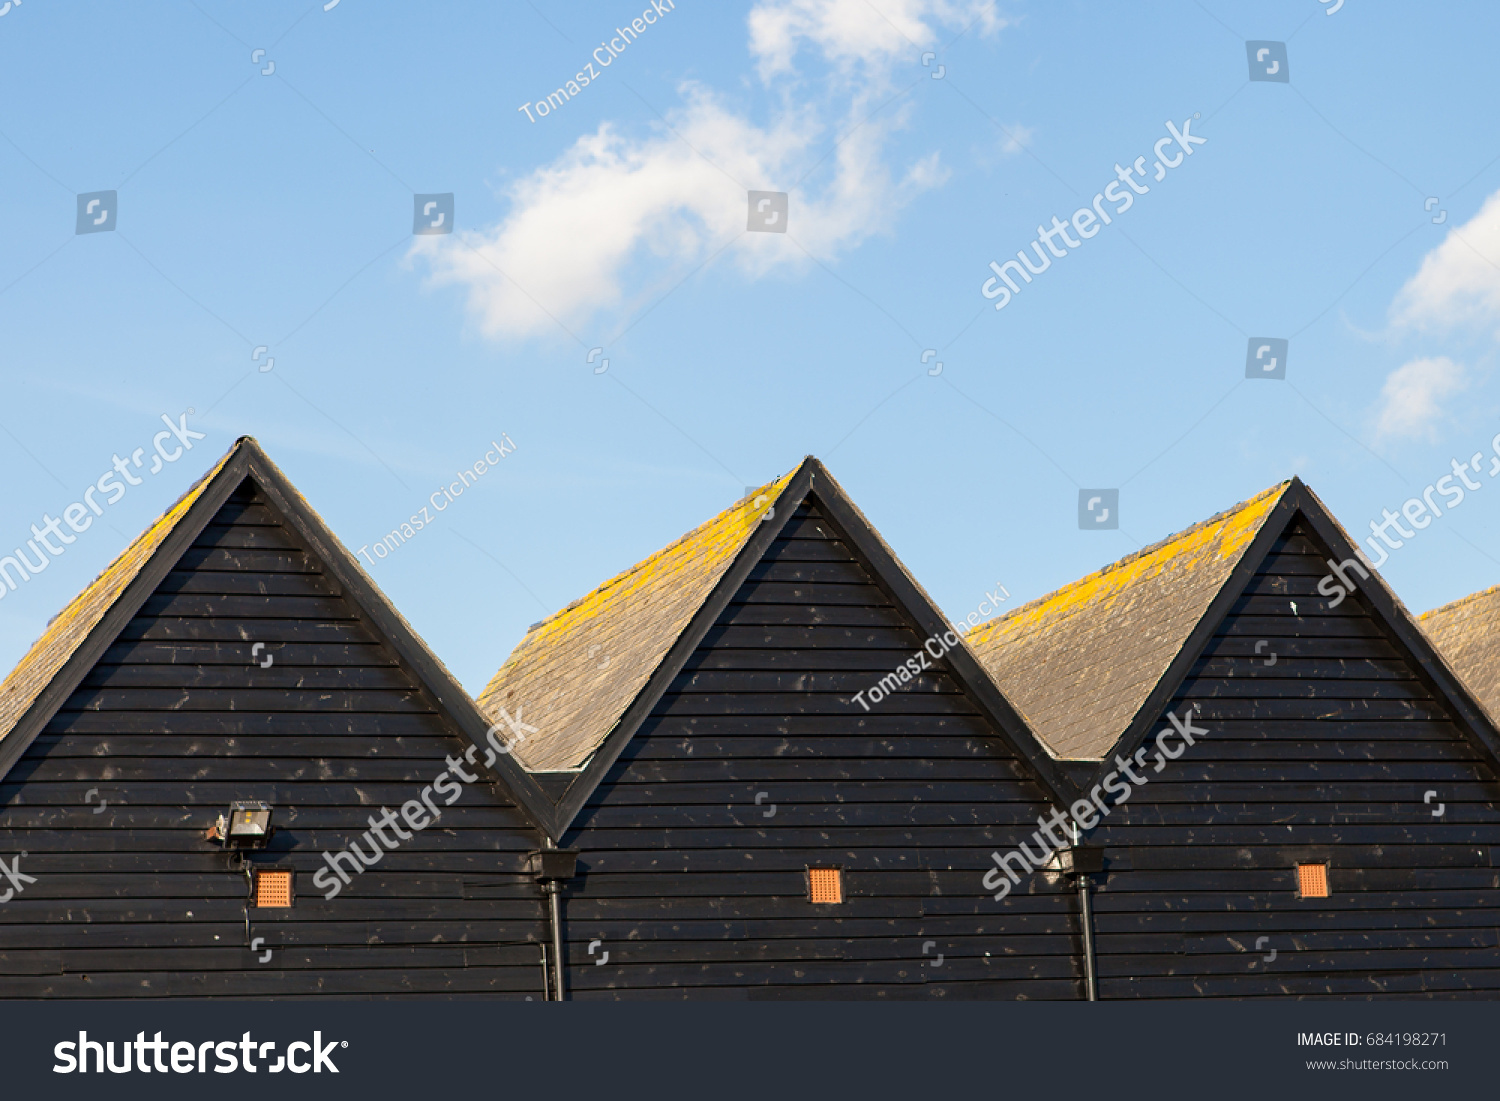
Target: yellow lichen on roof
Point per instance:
(1226, 537)
(576, 672)
(1461, 603)
(1079, 662)
(709, 542)
(66, 633)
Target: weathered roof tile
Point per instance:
(1467, 633)
(1079, 662)
(576, 672)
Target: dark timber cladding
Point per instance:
(168, 710)
(746, 761)
(1335, 736)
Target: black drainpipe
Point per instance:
(551, 867)
(1090, 972)
(1085, 861)
(558, 970)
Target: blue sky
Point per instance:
(276, 209)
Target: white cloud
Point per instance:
(1459, 281)
(1017, 138)
(1410, 400)
(618, 211)
(857, 34)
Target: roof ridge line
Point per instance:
(1135, 556)
(1460, 601)
(620, 577)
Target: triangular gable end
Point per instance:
(164, 545)
(811, 483)
(1299, 511)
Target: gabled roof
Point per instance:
(694, 579)
(1467, 633)
(63, 636)
(1296, 504)
(1145, 608)
(74, 642)
(1079, 662)
(576, 671)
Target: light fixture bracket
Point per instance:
(245, 827)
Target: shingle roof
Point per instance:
(1467, 633)
(576, 672)
(1079, 662)
(67, 632)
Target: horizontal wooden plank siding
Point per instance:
(757, 763)
(1322, 746)
(178, 718)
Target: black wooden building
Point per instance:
(783, 772)
(236, 653)
(1333, 830)
(745, 827)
